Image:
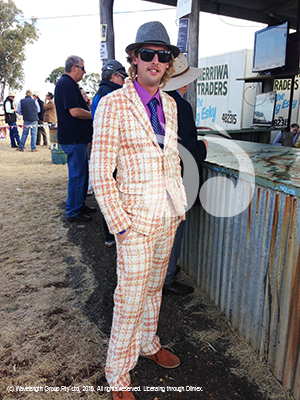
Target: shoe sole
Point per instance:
(161, 365)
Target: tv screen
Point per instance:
(264, 109)
(270, 48)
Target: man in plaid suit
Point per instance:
(144, 204)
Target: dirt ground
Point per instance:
(56, 287)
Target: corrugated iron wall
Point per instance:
(249, 265)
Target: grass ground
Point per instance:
(56, 287)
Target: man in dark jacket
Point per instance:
(11, 119)
(41, 131)
(29, 108)
(113, 76)
(187, 137)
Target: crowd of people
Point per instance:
(35, 112)
(126, 142)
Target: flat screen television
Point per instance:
(270, 47)
(264, 109)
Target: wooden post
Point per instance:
(193, 46)
(106, 17)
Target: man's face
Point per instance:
(150, 73)
(78, 71)
(294, 130)
(118, 78)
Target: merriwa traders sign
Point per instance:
(220, 97)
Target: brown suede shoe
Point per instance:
(123, 395)
(165, 358)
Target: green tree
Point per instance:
(55, 75)
(90, 83)
(14, 36)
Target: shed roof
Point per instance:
(270, 12)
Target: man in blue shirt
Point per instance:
(29, 108)
(74, 132)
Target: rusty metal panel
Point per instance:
(249, 265)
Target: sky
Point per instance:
(73, 27)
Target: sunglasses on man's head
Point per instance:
(147, 55)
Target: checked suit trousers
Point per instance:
(141, 268)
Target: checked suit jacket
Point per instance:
(124, 140)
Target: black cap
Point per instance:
(114, 66)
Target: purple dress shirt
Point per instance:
(146, 97)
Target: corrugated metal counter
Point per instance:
(249, 264)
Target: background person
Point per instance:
(50, 112)
(11, 119)
(86, 97)
(113, 76)
(88, 102)
(176, 87)
(41, 130)
(294, 128)
(74, 132)
(144, 204)
(29, 108)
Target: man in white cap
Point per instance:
(176, 87)
(135, 132)
(11, 119)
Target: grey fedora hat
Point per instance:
(153, 33)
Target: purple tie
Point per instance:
(155, 122)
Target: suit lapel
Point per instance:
(138, 110)
(169, 115)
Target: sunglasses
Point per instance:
(147, 55)
(121, 76)
(79, 66)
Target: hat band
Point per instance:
(181, 73)
(156, 41)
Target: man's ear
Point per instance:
(134, 59)
(113, 78)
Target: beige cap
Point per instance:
(11, 94)
(36, 93)
(183, 74)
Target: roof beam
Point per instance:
(248, 10)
